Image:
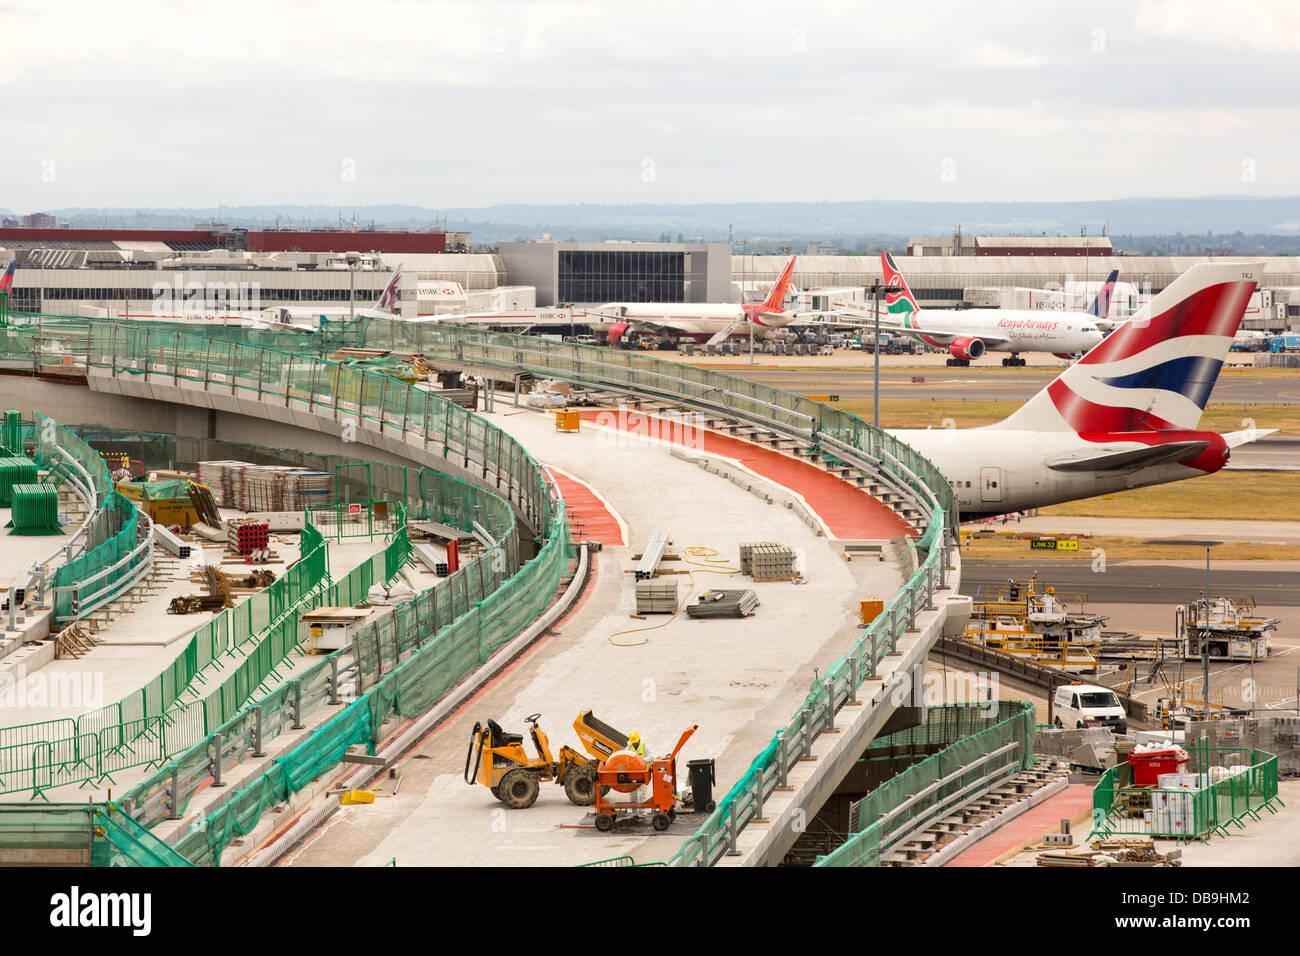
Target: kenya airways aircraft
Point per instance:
(704, 323)
(969, 333)
(1124, 416)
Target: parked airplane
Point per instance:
(1123, 416)
(277, 318)
(969, 333)
(705, 323)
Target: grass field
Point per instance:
(920, 413)
(1237, 495)
(1123, 548)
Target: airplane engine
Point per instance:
(616, 333)
(967, 348)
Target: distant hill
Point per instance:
(793, 221)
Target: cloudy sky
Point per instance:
(448, 104)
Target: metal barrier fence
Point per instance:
(117, 549)
(1235, 784)
(400, 664)
(925, 792)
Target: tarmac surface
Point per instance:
(1132, 582)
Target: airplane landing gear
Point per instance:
(961, 363)
(1014, 362)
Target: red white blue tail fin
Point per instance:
(7, 279)
(1155, 371)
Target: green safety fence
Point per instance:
(414, 655)
(968, 733)
(1235, 784)
(105, 567)
(158, 720)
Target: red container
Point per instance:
(453, 557)
(1150, 764)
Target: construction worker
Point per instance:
(635, 746)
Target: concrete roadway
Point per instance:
(738, 679)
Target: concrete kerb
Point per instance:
(812, 781)
(756, 485)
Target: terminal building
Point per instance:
(208, 270)
(590, 273)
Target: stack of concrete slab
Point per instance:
(767, 561)
(658, 596)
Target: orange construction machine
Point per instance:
(514, 778)
(498, 760)
(625, 772)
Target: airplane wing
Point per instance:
(1108, 459)
(896, 323)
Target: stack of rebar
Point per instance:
(724, 603)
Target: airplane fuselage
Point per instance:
(995, 470)
(692, 320)
(1008, 330)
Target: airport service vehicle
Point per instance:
(711, 324)
(1083, 705)
(1124, 416)
(1224, 628)
(968, 333)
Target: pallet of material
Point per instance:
(656, 597)
(723, 603)
(767, 561)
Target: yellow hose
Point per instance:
(710, 562)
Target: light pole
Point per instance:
(352, 259)
(876, 289)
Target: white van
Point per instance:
(1078, 704)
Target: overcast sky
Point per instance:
(465, 104)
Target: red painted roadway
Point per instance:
(848, 512)
(589, 519)
(1074, 800)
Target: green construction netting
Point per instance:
(128, 732)
(120, 841)
(167, 490)
(966, 732)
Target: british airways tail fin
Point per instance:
(1155, 371)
